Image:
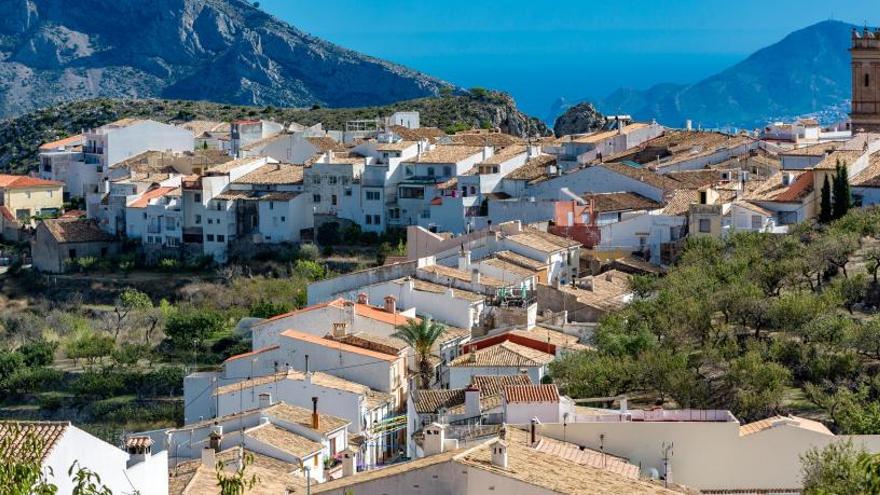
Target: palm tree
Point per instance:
(421, 335)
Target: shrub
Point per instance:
(328, 234)
(130, 354)
(309, 270)
(31, 380)
(267, 309)
(90, 346)
(39, 353)
(309, 252)
(189, 329)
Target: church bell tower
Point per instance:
(865, 54)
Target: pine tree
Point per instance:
(825, 213)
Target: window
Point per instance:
(50, 194)
(316, 198)
(348, 192)
(198, 219)
(373, 195)
(369, 219)
(145, 215)
(787, 217)
(408, 171)
(331, 180)
(210, 237)
(315, 461)
(71, 253)
(394, 213)
(447, 171)
(333, 199)
(867, 80)
(757, 222)
(376, 220)
(705, 225)
(210, 221)
(103, 251)
(219, 205)
(430, 171)
(271, 205)
(283, 219)
(221, 238)
(197, 198)
(28, 194)
(412, 193)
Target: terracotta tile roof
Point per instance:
(252, 353)
(374, 398)
(425, 286)
(324, 144)
(776, 421)
(373, 342)
(620, 201)
(552, 337)
(505, 354)
(588, 457)
(446, 154)
(495, 384)
(531, 393)
(65, 230)
(643, 175)
(26, 182)
(74, 140)
(274, 173)
(303, 417)
(273, 476)
(695, 179)
(144, 200)
(813, 150)
(337, 346)
(870, 176)
(504, 155)
(772, 190)
(523, 261)
(508, 266)
(379, 314)
(284, 440)
(494, 139)
(385, 472)
(37, 436)
(542, 241)
(680, 202)
(555, 473)
(609, 290)
(202, 127)
(170, 161)
(533, 170)
(841, 156)
(454, 273)
(676, 146)
(398, 146)
(226, 167)
(431, 401)
(238, 195)
(429, 133)
(753, 207)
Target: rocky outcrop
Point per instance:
(218, 50)
(579, 119)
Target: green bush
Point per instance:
(309, 270)
(309, 252)
(267, 309)
(38, 353)
(169, 264)
(31, 380)
(189, 329)
(102, 384)
(89, 346)
(130, 354)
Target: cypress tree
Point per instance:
(840, 186)
(825, 213)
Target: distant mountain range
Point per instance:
(807, 72)
(224, 51)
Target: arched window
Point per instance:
(867, 80)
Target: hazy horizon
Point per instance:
(572, 50)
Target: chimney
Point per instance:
(435, 437)
(363, 299)
(390, 304)
(209, 458)
(499, 453)
(472, 401)
(340, 329)
(265, 400)
(139, 449)
(464, 260)
(475, 280)
(533, 432)
(349, 458)
(216, 437)
(316, 420)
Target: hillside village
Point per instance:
(640, 309)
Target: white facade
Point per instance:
(119, 471)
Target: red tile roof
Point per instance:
(801, 186)
(531, 393)
(364, 310)
(144, 200)
(338, 346)
(62, 143)
(252, 353)
(24, 181)
(44, 433)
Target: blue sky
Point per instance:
(540, 51)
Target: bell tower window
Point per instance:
(867, 80)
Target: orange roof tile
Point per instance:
(61, 143)
(144, 200)
(801, 186)
(252, 353)
(531, 393)
(25, 181)
(339, 346)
